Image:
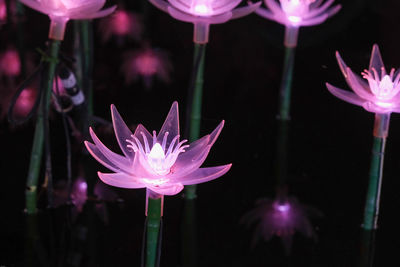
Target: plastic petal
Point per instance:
(222, 8)
(35, 5)
(243, 11)
(376, 59)
(160, 4)
(203, 175)
(274, 6)
(345, 95)
(95, 15)
(263, 12)
(120, 180)
(170, 125)
(122, 132)
(96, 153)
(118, 160)
(319, 10)
(138, 134)
(314, 21)
(167, 190)
(358, 87)
(187, 165)
(214, 134)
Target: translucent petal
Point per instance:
(227, 6)
(243, 11)
(122, 132)
(96, 153)
(182, 6)
(274, 6)
(314, 21)
(214, 135)
(171, 125)
(95, 15)
(203, 175)
(161, 4)
(319, 10)
(86, 7)
(120, 180)
(358, 87)
(36, 6)
(118, 160)
(265, 13)
(345, 95)
(376, 59)
(138, 134)
(168, 190)
(188, 165)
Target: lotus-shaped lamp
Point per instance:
(159, 162)
(202, 13)
(377, 91)
(60, 11)
(296, 13)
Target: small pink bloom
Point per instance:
(25, 102)
(159, 162)
(60, 11)
(3, 12)
(202, 13)
(281, 219)
(146, 63)
(121, 24)
(10, 64)
(378, 92)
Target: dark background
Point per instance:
(330, 140)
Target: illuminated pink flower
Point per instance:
(378, 93)
(146, 63)
(10, 64)
(202, 13)
(121, 24)
(296, 13)
(3, 12)
(161, 163)
(281, 219)
(60, 11)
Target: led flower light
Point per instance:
(10, 63)
(202, 13)
(121, 24)
(60, 11)
(146, 63)
(281, 219)
(159, 162)
(3, 11)
(296, 13)
(378, 92)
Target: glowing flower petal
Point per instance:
(161, 163)
(382, 92)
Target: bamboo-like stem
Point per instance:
(37, 147)
(371, 211)
(196, 94)
(367, 248)
(154, 212)
(286, 84)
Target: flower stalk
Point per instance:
(38, 139)
(286, 84)
(196, 94)
(371, 211)
(154, 212)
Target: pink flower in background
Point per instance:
(23, 105)
(378, 92)
(298, 12)
(202, 13)
(10, 63)
(60, 11)
(146, 63)
(161, 163)
(122, 24)
(3, 12)
(281, 219)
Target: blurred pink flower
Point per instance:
(23, 105)
(3, 12)
(163, 167)
(296, 13)
(202, 13)
(281, 219)
(60, 11)
(379, 94)
(146, 63)
(122, 24)
(10, 63)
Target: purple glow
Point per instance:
(146, 63)
(10, 64)
(60, 11)
(378, 94)
(273, 218)
(25, 102)
(297, 13)
(122, 24)
(159, 162)
(3, 12)
(202, 13)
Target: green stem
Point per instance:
(367, 248)
(196, 92)
(281, 164)
(286, 84)
(37, 148)
(371, 211)
(154, 210)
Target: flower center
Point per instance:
(201, 7)
(384, 87)
(159, 158)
